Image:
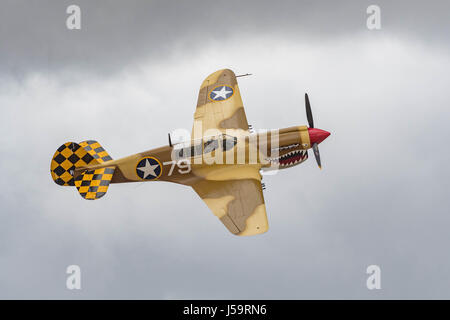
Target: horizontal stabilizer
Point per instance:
(95, 150)
(93, 184)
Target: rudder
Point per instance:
(66, 158)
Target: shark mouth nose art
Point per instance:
(291, 158)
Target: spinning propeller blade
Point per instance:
(317, 154)
(308, 112)
(316, 135)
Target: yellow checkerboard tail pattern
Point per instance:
(92, 184)
(95, 150)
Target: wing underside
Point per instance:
(239, 204)
(233, 194)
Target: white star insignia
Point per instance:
(148, 169)
(222, 93)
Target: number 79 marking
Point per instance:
(184, 166)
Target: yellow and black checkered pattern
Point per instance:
(69, 156)
(95, 150)
(93, 184)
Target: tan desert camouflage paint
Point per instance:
(229, 182)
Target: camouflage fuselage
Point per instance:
(275, 149)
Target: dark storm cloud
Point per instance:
(33, 35)
(382, 197)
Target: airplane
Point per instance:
(222, 162)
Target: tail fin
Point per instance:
(91, 184)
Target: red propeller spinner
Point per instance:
(317, 135)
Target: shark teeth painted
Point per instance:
(290, 159)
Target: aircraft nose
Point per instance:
(317, 135)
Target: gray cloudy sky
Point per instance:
(132, 74)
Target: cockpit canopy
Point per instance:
(223, 142)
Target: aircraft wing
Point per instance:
(239, 204)
(219, 104)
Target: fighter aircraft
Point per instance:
(222, 161)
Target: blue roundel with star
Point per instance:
(221, 93)
(149, 168)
